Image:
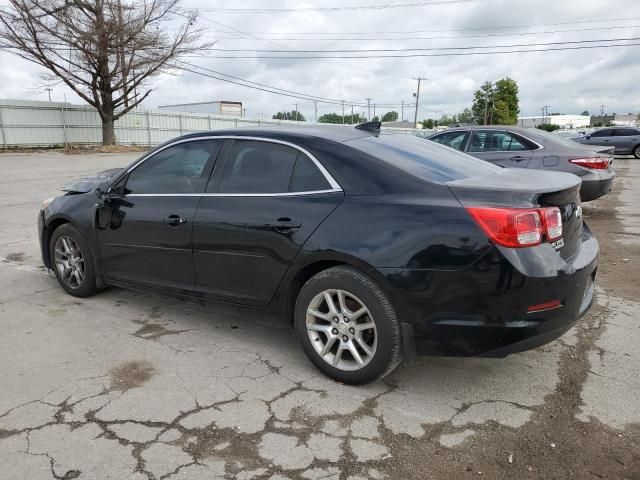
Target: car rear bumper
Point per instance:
(596, 186)
(483, 310)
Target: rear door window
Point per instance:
(497, 141)
(625, 132)
(602, 133)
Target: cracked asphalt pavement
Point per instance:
(126, 385)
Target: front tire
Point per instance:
(72, 261)
(347, 326)
(636, 152)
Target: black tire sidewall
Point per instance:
(88, 287)
(636, 152)
(388, 352)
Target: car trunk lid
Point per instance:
(516, 188)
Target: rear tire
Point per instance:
(355, 340)
(72, 262)
(636, 152)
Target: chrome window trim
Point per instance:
(335, 186)
(517, 134)
(285, 194)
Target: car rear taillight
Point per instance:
(552, 220)
(593, 163)
(518, 227)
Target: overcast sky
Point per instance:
(567, 81)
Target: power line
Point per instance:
(448, 54)
(502, 27)
(268, 88)
(375, 50)
(378, 38)
(336, 9)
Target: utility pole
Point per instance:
(402, 112)
(296, 112)
(368, 109)
(415, 116)
(315, 109)
(351, 115)
(343, 112)
(48, 89)
(374, 110)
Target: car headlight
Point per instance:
(46, 203)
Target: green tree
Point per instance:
(337, 119)
(390, 116)
(496, 104)
(466, 116)
(506, 93)
(586, 112)
(481, 100)
(292, 115)
(428, 123)
(548, 127)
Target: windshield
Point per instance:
(423, 158)
(556, 138)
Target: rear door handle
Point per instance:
(518, 158)
(175, 220)
(285, 225)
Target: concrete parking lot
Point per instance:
(127, 385)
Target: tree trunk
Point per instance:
(108, 132)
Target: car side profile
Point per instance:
(373, 246)
(625, 140)
(516, 147)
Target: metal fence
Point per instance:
(25, 123)
(50, 124)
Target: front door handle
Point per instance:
(284, 225)
(175, 220)
(518, 158)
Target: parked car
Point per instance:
(516, 147)
(625, 140)
(372, 246)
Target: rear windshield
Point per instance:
(423, 158)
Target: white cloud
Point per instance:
(569, 81)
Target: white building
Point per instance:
(222, 107)
(565, 121)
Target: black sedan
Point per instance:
(517, 147)
(373, 246)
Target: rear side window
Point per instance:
(307, 177)
(625, 132)
(601, 133)
(497, 141)
(451, 139)
(423, 158)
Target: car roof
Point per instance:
(328, 132)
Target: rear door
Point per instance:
(501, 147)
(624, 139)
(261, 205)
(599, 137)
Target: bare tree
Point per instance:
(104, 50)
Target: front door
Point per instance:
(624, 139)
(262, 205)
(146, 239)
(501, 147)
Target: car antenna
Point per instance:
(369, 126)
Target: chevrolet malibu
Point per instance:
(373, 246)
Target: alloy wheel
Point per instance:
(341, 329)
(69, 262)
